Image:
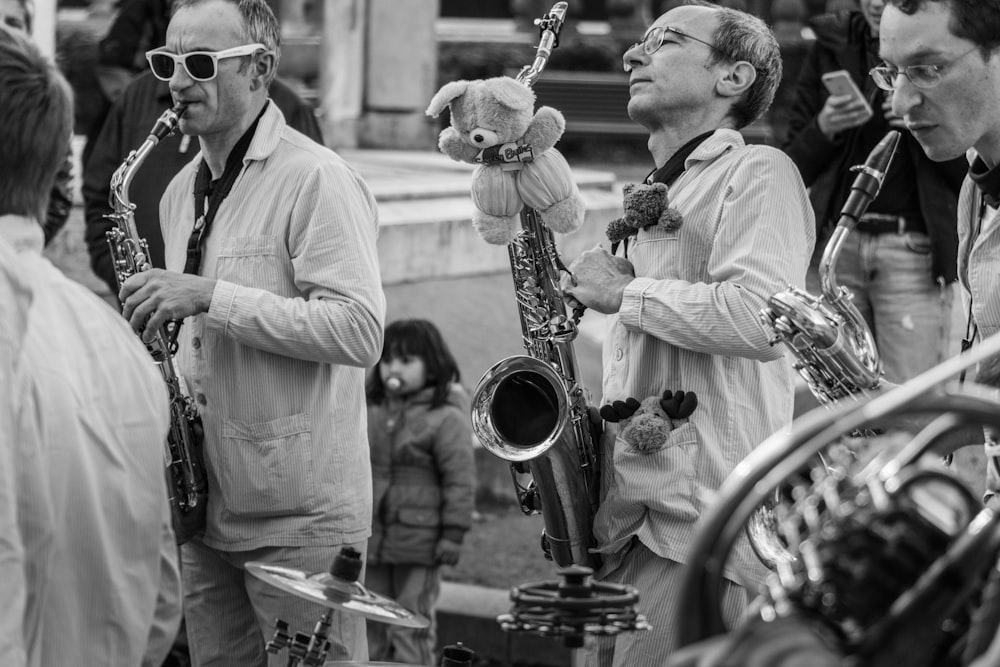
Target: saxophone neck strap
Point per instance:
(215, 192)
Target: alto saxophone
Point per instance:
(186, 482)
(834, 347)
(531, 409)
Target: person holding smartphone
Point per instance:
(900, 262)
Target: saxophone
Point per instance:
(834, 348)
(531, 409)
(186, 481)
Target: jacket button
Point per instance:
(196, 342)
(201, 399)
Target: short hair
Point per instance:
(36, 105)
(742, 36)
(975, 20)
(260, 25)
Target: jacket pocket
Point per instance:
(268, 467)
(251, 261)
(661, 481)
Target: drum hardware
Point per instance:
(337, 589)
(573, 608)
(453, 655)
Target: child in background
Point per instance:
(420, 435)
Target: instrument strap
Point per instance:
(215, 192)
(971, 328)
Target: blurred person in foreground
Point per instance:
(684, 306)
(19, 15)
(271, 264)
(899, 263)
(89, 565)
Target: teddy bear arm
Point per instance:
(546, 128)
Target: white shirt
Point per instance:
(690, 321)
(88, 564)
(277, 364)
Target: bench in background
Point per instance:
(595, 103)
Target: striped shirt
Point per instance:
(277, 364)
(88, 563)
(978, 249)
(690, 321)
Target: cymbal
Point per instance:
(334, 592)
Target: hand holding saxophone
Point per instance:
(597, 279)
(152, 298)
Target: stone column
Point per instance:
(43, 31)
(378, 72)
(341, 72)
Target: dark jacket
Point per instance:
(126, 127)
(60, 199)
(424, 476)
(842, 43)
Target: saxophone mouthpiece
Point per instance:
(869, 179)
(167, 122)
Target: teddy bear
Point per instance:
(645, 205)
(494, 126)
(645, 425)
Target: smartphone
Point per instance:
(840, 83)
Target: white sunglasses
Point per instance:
(199, 65)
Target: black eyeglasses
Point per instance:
(653, 40)
(921, 76)
(199, 65)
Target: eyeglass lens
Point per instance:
(199, 66)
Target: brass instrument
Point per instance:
(835, 350)
(888, 553)
(531, 409)
(186, 481)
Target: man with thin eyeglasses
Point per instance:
(942, 68)
(683, 305)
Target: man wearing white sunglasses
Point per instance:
(271, 265)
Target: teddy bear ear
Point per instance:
(511, 94)
(443, 97)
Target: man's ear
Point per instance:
(737, 79)
(263, 69)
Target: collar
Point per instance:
(22, 233)
(717, 143)
(270, 129)
(987, 180)
(677, 163)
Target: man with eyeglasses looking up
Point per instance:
(684, 305)
(272, 267)
(899, 262)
